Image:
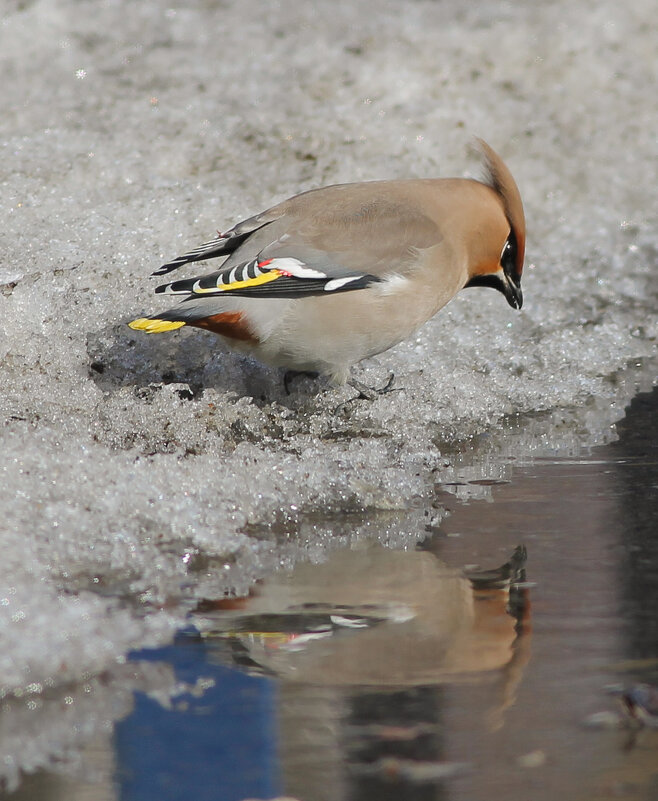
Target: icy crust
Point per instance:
(138, 472)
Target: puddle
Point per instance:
(470, 666)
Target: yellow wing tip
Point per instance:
(154, 326)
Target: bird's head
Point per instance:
(497, 239)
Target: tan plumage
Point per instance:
(337, 274)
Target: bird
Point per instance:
(334, 275)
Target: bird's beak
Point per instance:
(508, 284)
(512, 291)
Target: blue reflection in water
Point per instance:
(220, 746)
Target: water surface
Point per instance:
(466, 667)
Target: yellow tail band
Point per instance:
(152, 326)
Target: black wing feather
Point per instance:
(291, 287)
(221, 246)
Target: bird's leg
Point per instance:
(291, 375)
(366, 392)
(370, 393)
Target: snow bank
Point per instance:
(138, 473)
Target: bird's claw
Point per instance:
(366, 392)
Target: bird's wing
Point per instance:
(223, 244)
(280, 277)
(329, 240)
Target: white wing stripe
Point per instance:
(337, 283)
(296, 268)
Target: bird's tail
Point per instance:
(224, 316)
(190, 312)
(158, 324)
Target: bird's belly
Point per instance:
(330, 334)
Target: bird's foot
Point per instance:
(371, 393)
(291, 375)
(366, 392)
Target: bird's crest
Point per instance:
(500, 179)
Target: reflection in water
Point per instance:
(96, 785)
(217, 745)
(637, 511)
(74, 723)
(409, 688)
(636, 518)
(327, 683)
(375, 617)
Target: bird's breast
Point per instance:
(329, 334)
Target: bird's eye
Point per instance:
(508, 256)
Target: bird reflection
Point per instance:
(363, 647)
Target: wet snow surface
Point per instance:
(140, 473)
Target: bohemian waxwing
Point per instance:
(337, 274)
